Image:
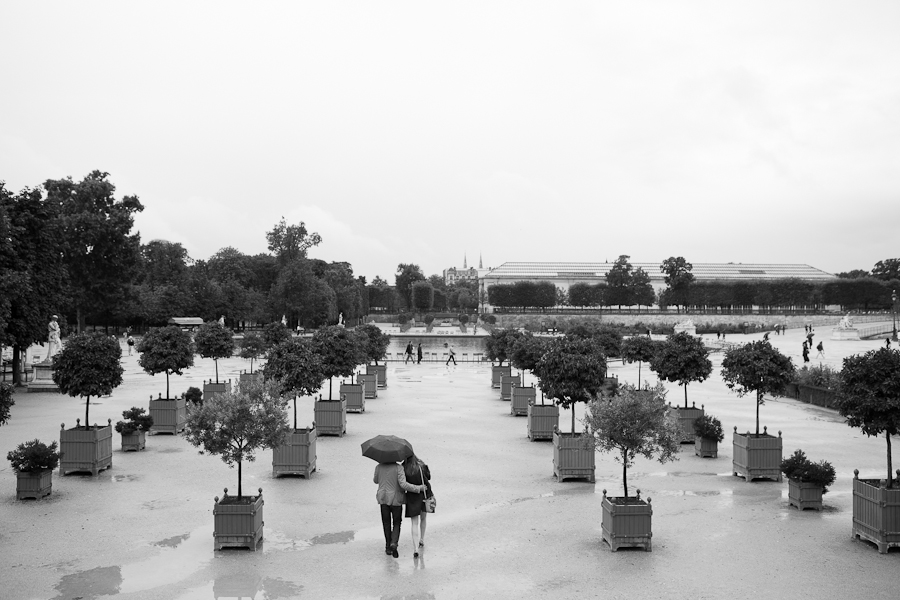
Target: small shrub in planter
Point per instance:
(807, 480)
(708, 433)
(134, 428)
(194, 395)
(33, 463)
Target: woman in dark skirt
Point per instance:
(417, 474)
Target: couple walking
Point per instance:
(409, 484)
(409, 353)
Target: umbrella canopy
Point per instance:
(386, 448)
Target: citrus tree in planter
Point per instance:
(252, 348)
(807, 481)
(193, 395)
(760, 369)
(166, 350)
(869, 398)
(33, 463)
(639, 349)
(572, 370)
(630, 424)
(375, 344)
(234, 425)
(296, 370)
(275, 333)
(707, 435)
(134, 428)
(683, 358)
(339, 350)
(525, 354)
(497, 347)
(87, 366)
(214, 341)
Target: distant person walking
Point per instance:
(419, 353)
(809, 338)
(805, 353)
(821, 349)
(130, 343)
(390, 495)
(418, 476)
(409, 353)
(887, 342)
(451, 354)
(766, 336)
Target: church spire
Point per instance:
(479, 261)
(465, 266)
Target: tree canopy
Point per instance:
(682, 358)
(639, 349)
(296, 369)
(869, 395)
(166, 350)
(88, 365)
(572, 370)
(376, 341)
(498, 344)
(215, 342)
(756, 367)
(339, 350)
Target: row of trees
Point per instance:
(414, 292)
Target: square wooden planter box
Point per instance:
(298, 454)
(706, 448)
(571, 459)
(34, 484)
(134, 441)
(507, 383)
(369, 384)
(686, 418)
(246, 377)
(237, 525)
(169, 415)
(876, 512)
(211, 389)
(757, 457)
(497, 372)
(331, 417)
(521, 398)
(627, 525)
(543, 419)
(804, 495)
(353, 394)
(380, 371)
(85, 449)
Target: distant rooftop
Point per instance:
(702, 271)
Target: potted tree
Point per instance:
(134, 428)
(214, 341)
(807, 481)
(296, 370)
(339, 351)
(525, 354)
(87, 366)
(496, 347)
(707, 435)
(869, 398)
(683, 358)
(759, 368)
(193, 395)
(639, 349)
(375, 346)
(166, 350)
(252, 347)
(572, 370)
(234, 425)
(33, 463)
(630, 424)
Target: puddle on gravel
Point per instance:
(247, 586)
(701, 494)
(180, 557)
(93, 583)
(170, 450)
(342, 537)
(125, 478)
(173, 541)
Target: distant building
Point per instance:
(452, 275)
(565, 274)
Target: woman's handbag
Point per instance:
(429, 504)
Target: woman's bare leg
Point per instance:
(422, 528)
(414, 531)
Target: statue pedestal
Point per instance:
(850, 333)
(43, 378)
(688, 329)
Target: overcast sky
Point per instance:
(420, 131)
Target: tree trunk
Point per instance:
(758, 398)
(573, 417)
(17, 363)
(295, 411)
(685, 394)
(639, 374)
(329, 387)
(239, 479)
(79, 319)
(167, 385)
(890, 476)
(87, 407)
(625, 473)
(216, 360)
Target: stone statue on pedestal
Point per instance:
(845, 323)
(53, 341)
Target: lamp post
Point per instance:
(894, 313)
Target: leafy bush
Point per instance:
(709, 428)
(136, 420)
(403, 318)
(489, 319)
(33, 456)
(800, 468)
(6, 401)
(194, 395)
(821, 376)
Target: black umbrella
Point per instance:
(386, 448)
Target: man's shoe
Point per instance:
(394, 552)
